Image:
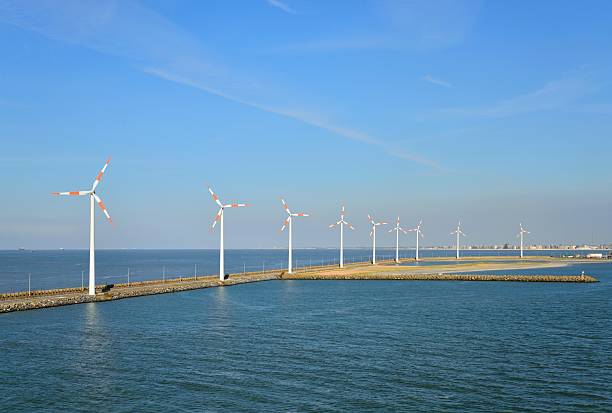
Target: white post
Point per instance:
(417, 246)
(163, 274)
(457, 243)
(397, 246)
(341, 245)
(521, 243)
(82, 280)
(373, 244)
(221, 252)
(30, 290)
(92, 249)
(290, 265)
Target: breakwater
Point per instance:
(442, 277)
(67, 296)
(24, 300)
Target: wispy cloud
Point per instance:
(415, 25)
(554, 95)
(162, 49)
(283, 6)
(301, 116)
(332, 45)
(436, 81)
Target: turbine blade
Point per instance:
(331, 226)
(350, 226)
(286, 206)
(286, 223)
(235, 205)
(371, 232)
(72, 193)
(217, 218)
(102, 207)
(99, 177)
(300, 215)
(215, 197)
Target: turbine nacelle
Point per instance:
(398, 227)
(417, 229)
(374, 224)
(458, 230)
(342, 221)
(290, 214)
(221, 207)
(91, 192)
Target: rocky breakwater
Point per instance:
(59, 297)
(369, 275)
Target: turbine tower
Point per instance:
(288, 223)
(458, 232)
(93, 197)
(219, 218)
(341, 223)
(419, 233)
(520, 234)
(397, 230)
(373, 235)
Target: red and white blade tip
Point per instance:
(72, 193)
(102, 207)
(100, 174)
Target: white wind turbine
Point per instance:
(520, 234)
(373, 235)
(397, 230)
(93, 197)
(341, 223)
(419, 233)
(458, 232)
(288, 223)
(219, 217)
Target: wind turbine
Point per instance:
(458, 232)
(373, 235)
(288, 223)
(520, 234)
(219, 217)
(397, 229)
(419, 233)
(342, 223)
(93, 197)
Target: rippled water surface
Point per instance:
(320, 346)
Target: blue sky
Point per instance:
(488, 112)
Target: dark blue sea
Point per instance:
(318, 346)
